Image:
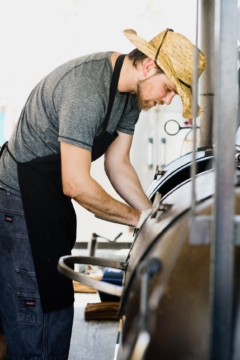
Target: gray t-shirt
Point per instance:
(68, 105)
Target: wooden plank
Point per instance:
(106, 310)
(2, 347)
(81, 288)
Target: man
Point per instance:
(84, 109)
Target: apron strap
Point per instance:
(2, 148)
(113, 89)
(6, 146)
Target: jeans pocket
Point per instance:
(13, 229)
(29, 305)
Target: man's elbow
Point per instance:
(106, 167)
(69, 189)
(110, 169)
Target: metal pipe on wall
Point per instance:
(225, 118)
(207, 78)
(194, 124)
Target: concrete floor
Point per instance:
(91, 340)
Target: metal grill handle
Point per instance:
(64, 268)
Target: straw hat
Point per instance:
(174, 54)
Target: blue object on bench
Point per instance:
(112, 276)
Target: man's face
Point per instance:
(156, 89)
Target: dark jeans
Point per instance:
(30, 334)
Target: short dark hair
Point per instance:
(137, 57)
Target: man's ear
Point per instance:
(147, 67)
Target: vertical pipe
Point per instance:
(207, 77)
(225, 117)
(150, 152)
(194, 124)
(157, 150)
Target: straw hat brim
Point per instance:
(165, 64)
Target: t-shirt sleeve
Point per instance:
(80, 107)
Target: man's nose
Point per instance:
(168, 98)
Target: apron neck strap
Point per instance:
(113, 88)
(5, 145)
(2, 148)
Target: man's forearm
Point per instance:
(96, 200)
(80, 186)
(126, 182)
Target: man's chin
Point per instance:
(145, 106)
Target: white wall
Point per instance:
(38, 35)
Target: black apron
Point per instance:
(50, 215)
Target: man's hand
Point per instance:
(143, 217)
(79, 185)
